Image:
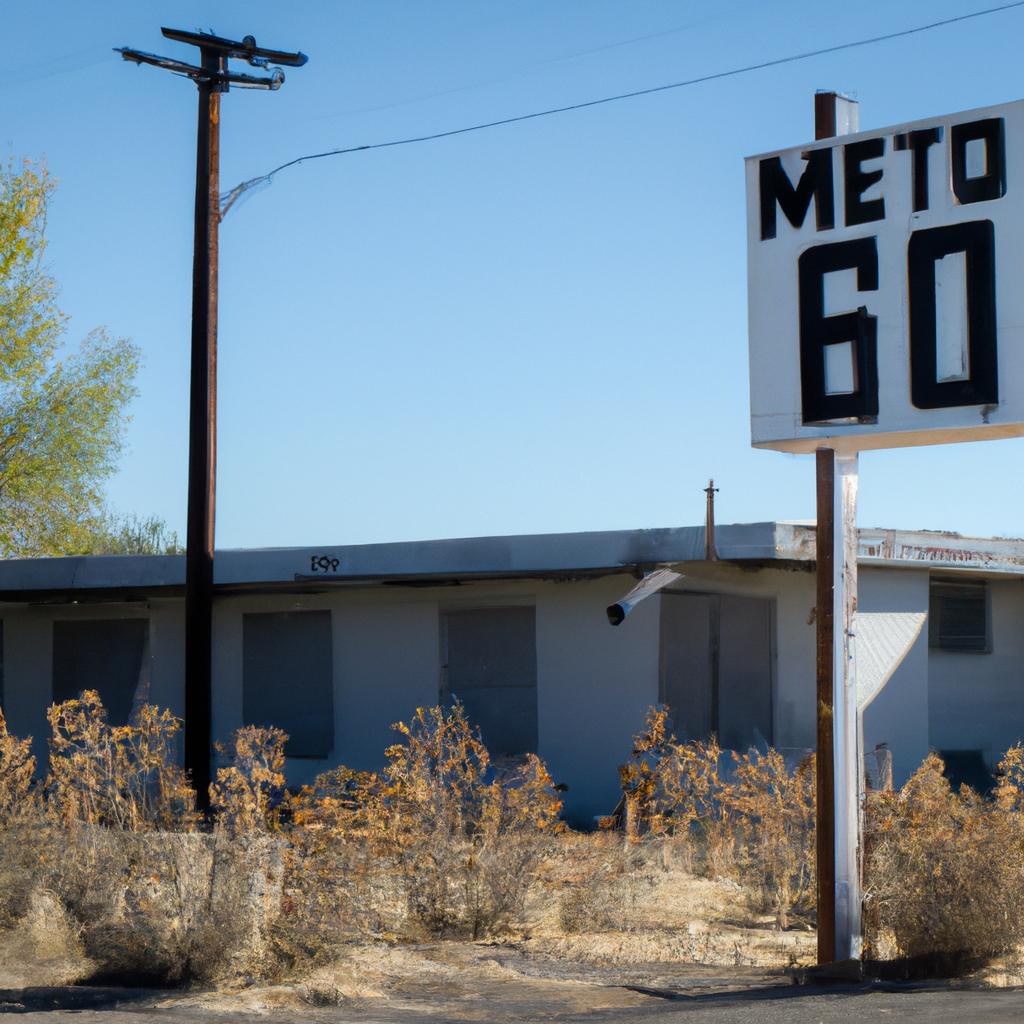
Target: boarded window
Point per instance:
(958, 616)
(491, 666)
(106, 655)
(717, 666)
(287, 678)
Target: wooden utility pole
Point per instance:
(839, 759)
(212, 78)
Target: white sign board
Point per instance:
(886, 286)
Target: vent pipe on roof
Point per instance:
(710, 552)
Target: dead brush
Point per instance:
(17, 774)
(773, 808)
(121, 777)
(944, 869)
(25, 841)
(337, 885)
(248, 792)
(155, 900)
(465, 841)
(754, 825)
(594, 876)
(436, 843)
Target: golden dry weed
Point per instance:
(17, 773)
(944, 869)
(248, 792)
(751, 818)
(122, 777)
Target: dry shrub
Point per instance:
(594, 884)
(438, 842)
(773, 808)
(147, 903)
(754, 824)
(23, 838)
(465, 840)
(17, 772)
(248, 792)
(122, 777)
(945, 869)
(165, 907)
(337, 884)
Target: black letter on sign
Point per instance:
(981, 387)
(918, 143)
(858, 181)
(817, 331)
(816, 181)
(991, 184)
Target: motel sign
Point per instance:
(886, 286)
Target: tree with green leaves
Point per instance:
(62, 410)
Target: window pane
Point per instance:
(106, 655)
(687, 664)
(745, 672)
(958, 616)
(492, 669)
(287, 678)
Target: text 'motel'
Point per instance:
(886, 286)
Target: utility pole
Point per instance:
(212, 78)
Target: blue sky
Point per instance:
(534, 328)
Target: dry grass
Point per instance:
(745, 817)
(118, 777)
(945, 869)
(107, 871)
(438, 844)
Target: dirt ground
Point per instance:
(500, 984)
(654, 944)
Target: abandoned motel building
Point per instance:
(334, 645)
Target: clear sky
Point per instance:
(534, 328)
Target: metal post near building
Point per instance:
(864, 336)
(212, 78)
(839, 759)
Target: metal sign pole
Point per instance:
(839, 775)
(845, 731)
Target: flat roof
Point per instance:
(557, 556)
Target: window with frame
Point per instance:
(110, 656)
(490, 665)
(717, 667)
(958, 616)
(288, 679)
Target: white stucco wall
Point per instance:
(28, 659)
(594, 682)
(898, 716)
(977, 700)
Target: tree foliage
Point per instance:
(131, 535)
(62, 414)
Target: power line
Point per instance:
(228, 199)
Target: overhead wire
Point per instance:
(228, 199)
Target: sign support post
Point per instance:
(838, 762)
(878, 320)
(845, 726)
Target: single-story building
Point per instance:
(334, 644)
